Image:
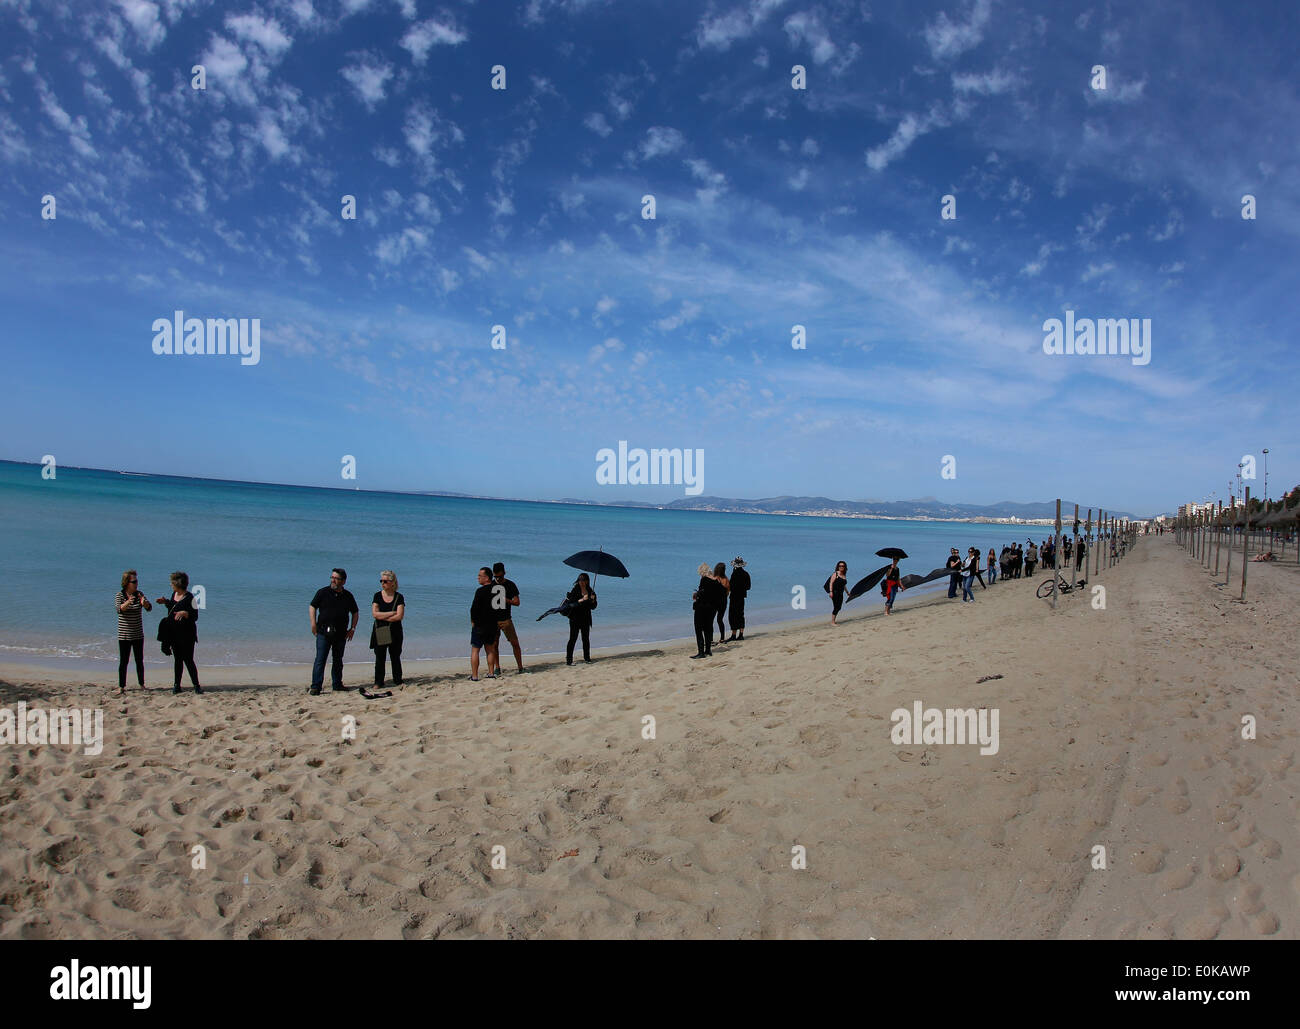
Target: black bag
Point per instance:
(165, 634)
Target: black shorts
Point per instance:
(484, 637)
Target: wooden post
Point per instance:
(1087, 535)
(1074, 555)
(1232, 520)
(1101, 518)
(1218, 538)
(1056, 555)
(1245, 547)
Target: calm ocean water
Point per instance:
(261, 552)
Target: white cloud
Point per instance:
(947, 38)
(807, 28)
(605, 304)
(419, 131)
(264, 33)
(368, 78)
(991, 83)
(448, 279)
(78, 134)
(909, 129)
(724, 29)
(688, 312)
(715, 183)
(397, 248)
(809, 147)
(1096, 271)
(597, 123)
(480, 262)
(143, 17)
(799, 180)
(659, 141)
(421, 37)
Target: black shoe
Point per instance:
(176, 689)
(314, 692)
(586, 660)
(568, 662)
(340, 689)
(198, 689)
(699, 655)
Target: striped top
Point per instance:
(130, 623)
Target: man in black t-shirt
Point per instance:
(505, 616)
(953, 565)
(483, 617)
(329, 612)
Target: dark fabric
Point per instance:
(737, 615)
(580, 612)
(512, 591)
(740, 585)
(394, 652)
(183, 660)
(182, 630)
(328, 646)
(481, 612)
(576, 627)
(333, 611)
(703, 631)
(125, 648)
(395, 627)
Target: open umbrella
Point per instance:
(892, 552)
(597, 562)
(865, 584)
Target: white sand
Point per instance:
(1118, 728)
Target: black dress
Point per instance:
(836, 592)
(392, 650)
(740, 585)
(707, 597)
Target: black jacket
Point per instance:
(580, 612)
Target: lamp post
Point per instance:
(1266, 478)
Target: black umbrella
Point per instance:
(597, 562)
(865, 584)
(892, 552)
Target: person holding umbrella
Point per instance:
(893, 586)
(582, 601)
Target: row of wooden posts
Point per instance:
(1108, 528)
(1202, 535)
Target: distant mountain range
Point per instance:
(925, 507)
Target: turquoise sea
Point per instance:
(261, 551)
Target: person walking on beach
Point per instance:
(720, 575)
(484, 632)
(740, 585)
(835, 586)
(182, 633)
(388, 607)
(993, 567)
(970, 567)
(893, 586)
(582, 601)
(329, 614)
(954, 569)
(1031, 559)
(507, 625)
(978, 566)
(1080, 555)
(130, 628)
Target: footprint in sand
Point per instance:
(1149, 859)
(1224, 864)
(1178, 878)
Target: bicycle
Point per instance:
(1046, 588)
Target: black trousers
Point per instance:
(722, 628)
(953, 581)
(391, 651)
(183, 660)
(704, 631)
(737, 616)
(125, 648)
(574, 629)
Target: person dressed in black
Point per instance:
(979, 570)
(484, 633)
(720, 574)
(740, 585)
(581, 602)
(182, 633)
(705, 602)
(330, 611)
(388, 607)
(505, 618)
(835, 586)
(953, 565)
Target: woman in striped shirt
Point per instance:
(130, 628)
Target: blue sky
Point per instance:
(775, 207)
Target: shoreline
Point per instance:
(1120, 728)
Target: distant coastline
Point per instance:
(926, 509)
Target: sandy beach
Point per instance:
(1119, 728)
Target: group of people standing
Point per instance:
(177, 632)
(710, 600)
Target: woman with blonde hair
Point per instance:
(130, 628)
(705, 602)
(389, 608)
